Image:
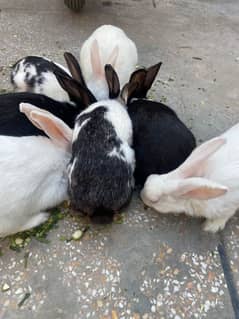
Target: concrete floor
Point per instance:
(148, 266)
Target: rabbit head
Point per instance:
(173, 191)
(107, 45)
(140, 83)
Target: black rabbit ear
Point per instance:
(138, 76)
(56, 69)
(128, 92)
(151, 74)
(75, 89)
(144, 79)
(113, 81)
(74, 68)
(134, 87)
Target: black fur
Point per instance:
(74, 68)
(14, 123)
(42, 65)
(160, 139)
(112, 81)
(100, 183)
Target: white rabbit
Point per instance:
(34, 172)
(205, 185)
(35, 74)
(107, 45)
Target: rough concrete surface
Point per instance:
(147, 266)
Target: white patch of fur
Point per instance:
(71, 168)
(19, 78)
(33, 179)
(128, 154)
(78, 128)
(51, 88)
(115, 153)
(118, 116)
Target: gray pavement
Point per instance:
(146, 265)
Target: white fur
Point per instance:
(71, 168)
(33, 179)
(128, 154)
(108, 37)
(78, 128)
(217, 172)
(118, 116)
(50, 86)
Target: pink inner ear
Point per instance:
(113, 57)
(205, 192)
(96, 60)
(57, 130)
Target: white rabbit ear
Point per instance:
(56, 129)
(113, 56)
(194, 164)
(96, 64)
(198, 188)
(27, 108)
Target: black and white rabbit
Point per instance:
(102, 163)
(34, 172)
(14, 123)
(35, 74)
(160, 139)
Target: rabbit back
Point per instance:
(160, 139)
(108, 38)
(34, 74)
(102, 161)
(33, 180)
(13, 123)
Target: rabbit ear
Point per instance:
(56, 129)
(194, 164)
(113, 81)
(74, 68)
(133, 88)
(128, 92)
(114, 56)
(151, 74)
(27, 108)
(145, 79)
(58, 70)
(76, 90)
(96, 64)
(198, 188)
(138, 76)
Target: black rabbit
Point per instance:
(160, 139)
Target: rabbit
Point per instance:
(160, 139)
(102, 162)
(35, 74)
(13, 123)
(205, 185)
(34, 172)
(107, 45)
